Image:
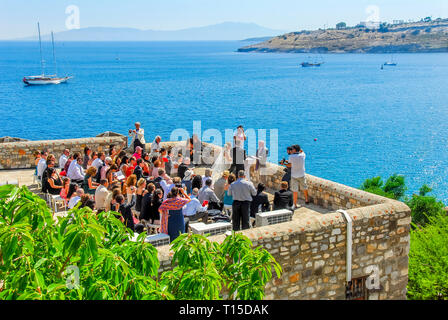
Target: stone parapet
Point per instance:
(19, 155)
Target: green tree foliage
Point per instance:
(424, 206)
(394, 188)
(428, 260)
(341, 25)
(88, 256)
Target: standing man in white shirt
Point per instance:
(138, 137)
(63, 158)
(298, 176)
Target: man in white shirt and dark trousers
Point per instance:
(138, 137)
(242, 192)
(298, 177)
(194, 210)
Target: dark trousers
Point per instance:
(240, 215)
(137, 143)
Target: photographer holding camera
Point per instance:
(298, 178)
(138, 137)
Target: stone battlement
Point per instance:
(312, 249)
(19, 155)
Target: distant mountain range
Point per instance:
(223, 31)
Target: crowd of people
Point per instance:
(161, 187)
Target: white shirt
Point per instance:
(101, 194)
(155, 146)
(41, 166)
(97, 163)
(140, 135)
(75, 171)
(239, 140)
(192, 207)
(62, 161)
(166, 188)
(297, 165)
(73, 202)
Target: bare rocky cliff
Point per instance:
(410, 37)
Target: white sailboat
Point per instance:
(43, 78)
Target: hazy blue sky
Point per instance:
(18, 17)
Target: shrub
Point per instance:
(423, 206)
(394, 188)
(85, 256)
(428, 260)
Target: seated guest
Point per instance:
(197, 182)
(259, 202)
(67, 164)
(89, 185)
(129, 187)
(155, 146)
(75, 171)
(186, 181)
(207, 194)
(103, 169)
(218, 186)
(101, 194)
(54, 182)
(172, 219)
(183, 166)
(89, 203)
(119, 205)
(65, 189)
(163, 159)
(71, 191)
(116, 190)
(138, 152)
(63, 158)
(42, 164)
(283, 199)
(75, 198)
(45, 175)
(138, 171)
(37, 157)
(207, 175)
(124, 163)
(155, 170)
(125, 209)
(145, 212)
(100, 161)
(194, 210)
(111, 174)
(131, 167)
(168, 184)
(87, 160)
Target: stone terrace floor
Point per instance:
(25, 177)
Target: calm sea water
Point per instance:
(367, 121)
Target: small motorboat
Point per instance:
(309, 64)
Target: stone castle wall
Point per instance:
(312, 251)
(19, 155)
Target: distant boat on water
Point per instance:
(390, 63)
(44, 79)
(308, 64)
(312, 64)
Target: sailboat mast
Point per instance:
(40, 47)
(54, 56)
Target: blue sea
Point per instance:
(367, 121)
